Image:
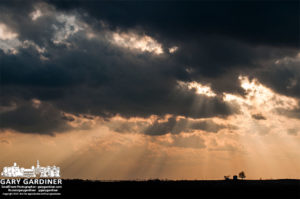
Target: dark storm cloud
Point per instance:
(215, 39)
(16, 14)
(273, 23)
(217, 42)
(220, 60)
(283, 76)
(27, 118)
(174, 126)
(100, 79)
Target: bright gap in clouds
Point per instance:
(261, 97)
(257, 107)
(8, 40)
(134, 41)
(6, 33)
(200, 88)
(35, 14)
(263, 132)
(259, 110)
(173, 49)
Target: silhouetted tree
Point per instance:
(242, 175)
(226, 177)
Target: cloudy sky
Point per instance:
(139, 90)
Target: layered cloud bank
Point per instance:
(80, 59)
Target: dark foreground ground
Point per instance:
(181, 189)
(184, 189)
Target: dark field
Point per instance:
(179, 189)
(183, 189)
